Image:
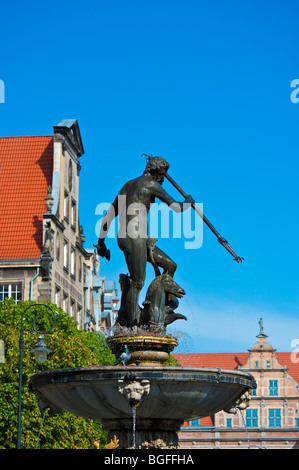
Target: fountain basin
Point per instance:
(174, 395)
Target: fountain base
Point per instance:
(150, 433)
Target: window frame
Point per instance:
(73, 261)
(66, 255)
(73, 213)
(57, 296)
(273, 387)
(252, 418)
(275, 420)
(66, 206)
(13, 289)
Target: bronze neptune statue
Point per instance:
(132, 205)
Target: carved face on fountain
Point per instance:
(134, 391)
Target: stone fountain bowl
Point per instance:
(172, 393)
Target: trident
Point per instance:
(220, 239)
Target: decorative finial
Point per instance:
(261, 327)
(81, 235)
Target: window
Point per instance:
(70, 175)
(66, 254)
(228, 422)
(274, 418)
(80, 269)
(73, 214)
(297, 422)
(65, 302)
(268, 364)
(79, 316)
(57, 246)
(66, 206)
(86, 275)
(256, 364)
(194, 422)
(73, 261)
(273, 388)
(13, 290)
(72, 309)
(58, 296)
(252, 418)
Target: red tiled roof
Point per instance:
(285, 359)
(206, 421)
(223, 360)
(231, 361)
(26, 165)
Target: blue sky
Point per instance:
(207, 86)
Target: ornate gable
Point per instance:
(69, 128)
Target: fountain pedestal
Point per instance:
(145, 349)
(149, 434)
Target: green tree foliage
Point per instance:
(172, 362)
(70, 348)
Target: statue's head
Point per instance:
(156, 166)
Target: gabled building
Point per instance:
(42, 256)
(104, 298)
(109, 305)
(272, 419)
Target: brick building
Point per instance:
(272, 419)
(41, 243)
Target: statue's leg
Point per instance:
(164, 261)
(122, 316)
(135, 251)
